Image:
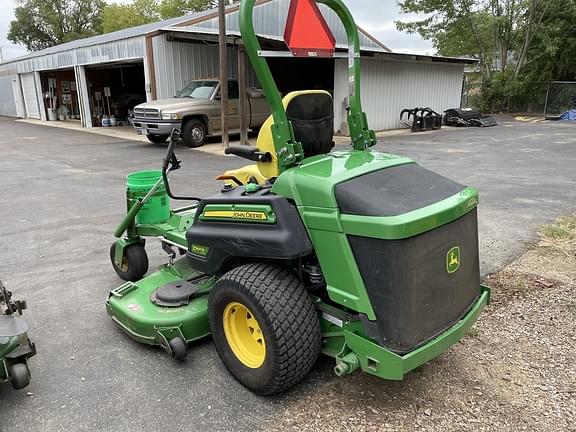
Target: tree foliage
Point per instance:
(118, 16)
(519, 43)
(41, 24)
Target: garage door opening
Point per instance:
(60, 95)
(114, 90)
(292, 74)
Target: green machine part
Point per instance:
(290, 151)
(130, 307)
(310, 184)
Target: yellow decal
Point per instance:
(453, 260)
(230, 214)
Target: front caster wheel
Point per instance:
(178, 348)
(134, 263)
(264, 326)
(19, 375)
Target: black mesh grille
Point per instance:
(394, 191)
(413, 295)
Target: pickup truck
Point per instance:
(195, 110)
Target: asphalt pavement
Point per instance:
(62, 193)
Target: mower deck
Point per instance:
(130, 307)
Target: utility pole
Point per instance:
(243, 109)
(223, 72)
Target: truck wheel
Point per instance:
(265, 327)
(19, 375)
(134, 263)
(157, 139)
(194, 133)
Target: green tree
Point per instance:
(499, 33)
(176, 8)
(118, 16)
(41, 24)
(520, 44)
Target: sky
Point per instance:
(375, 16)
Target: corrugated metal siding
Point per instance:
(389, 87)
(177, 63)
(7, 101)
(107, 38)
(103, 53)
(270, 20)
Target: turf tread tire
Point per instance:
(137, 262)
(19, 375)
(287, 317)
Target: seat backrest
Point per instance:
(311, 113)
(312, 117)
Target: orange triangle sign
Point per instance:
(307, 34)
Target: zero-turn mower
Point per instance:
(359, 255)
(15, 347)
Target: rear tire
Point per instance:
(194, 133)
(19, 375)
(283, 340)
(157, 139)
(134, 264)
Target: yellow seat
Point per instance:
(263, 172)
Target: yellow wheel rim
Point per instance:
(244, 335)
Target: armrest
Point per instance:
(250, 153)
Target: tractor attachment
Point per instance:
(15, 347)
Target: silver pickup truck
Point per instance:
(196, 111)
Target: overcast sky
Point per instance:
(375, 16)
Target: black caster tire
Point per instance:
(134, 264)
(19, 375)
(178, 348)
(157, 139)
(194, 133)
(265, 327)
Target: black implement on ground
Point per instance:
(423, 119)
(467, 117)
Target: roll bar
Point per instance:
(288, 150)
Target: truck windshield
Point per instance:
(198, 90)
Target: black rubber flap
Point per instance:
(411, 289)
(174, 294)
(11, 326)
(394, 191)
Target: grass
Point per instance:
(473, 333)
(563, 229)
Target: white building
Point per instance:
(153, 61)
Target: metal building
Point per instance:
(112, 72)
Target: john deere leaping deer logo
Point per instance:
(453, 260)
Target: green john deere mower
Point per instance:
(359, 255)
